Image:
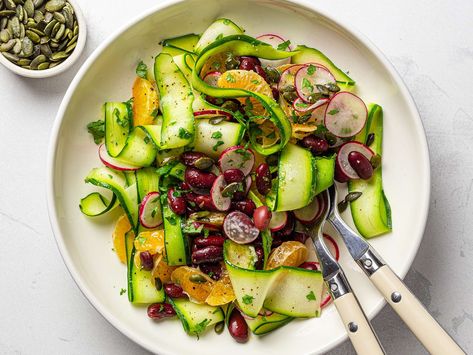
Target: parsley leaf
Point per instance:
(184, 134)
(230, 78)
(122, 291)
(284, 45)
(218, 144)
(311, 296)
(311, 69)
(216, 135)
(307, 85)
(171, 220)
(247, 299)
(200, 328)
(190, 228)
(97, 130)
(142, 70)
(333, 112)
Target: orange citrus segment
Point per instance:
(247, 80)
(214, 63)
(222, 292)
(118, 237)
(145, 101)
(162, 270)
(194, 282)
(289, 253)
(152, 241)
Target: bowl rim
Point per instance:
(76, 53)
(303, 4)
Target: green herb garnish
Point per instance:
(311, 296)
(247, 299)
(184, 134)
(216, 135)
(285, 45)
(218, 144)
(97, 130)
(142, 70)
(333, 112)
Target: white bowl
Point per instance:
(108, 74)
(29, 73)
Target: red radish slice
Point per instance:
(288, 76)
(265, 313)
(308, 77)
(278, 221)
(237, 157)
(318, 114)
(275, 41)
(302, 106)
(211, 113)
(326, 298)
(332, 246)
(343, 166)
(238, 227)
(150, 211)
(345, 115)
(211, 78)
(220, 202)
(309, 214)
(112, 162)
(248, 182)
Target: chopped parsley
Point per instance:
(154, 211)
(142, 70)
(97, 130)
(122, 291)
(184, 134)
(230, 78)
(191, 228)
(200, 328)
(333, 112)
(284, 45)
(121, 121)
(171, 220)
(218, 144)
(311, 69)
(307, 85)
(247, 299)
(311, 296)
(216, 135)
(164, 170)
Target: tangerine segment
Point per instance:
(247, 80)
(222, 292)
(145, 102)
(118, 237)
(215, 63)
(162, 270)
(151, 241)
(289, 253)
(194, 282)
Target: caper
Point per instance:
(272, 74)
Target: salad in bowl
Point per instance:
(219, 162)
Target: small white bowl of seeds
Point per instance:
(40, 38)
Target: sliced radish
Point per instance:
(150, 211)
(112, 162)
(211, 114)
(275, 41)
(303, 107)
(265, 313)
(309, 214)
(278, 221)
(238, 227)
(288, 76)
(220, 202)
(344, 169)
(332, 246)
(308, 77)
(211, 78)
(237, 157)
(326, 298)
(248, 182)
(345, 115)
(318, 114)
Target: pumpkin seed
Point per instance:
(76, 30)
(69, 18)
(60, 17)
(197, 279)
(55, 28)
(19, 12)
(27, 46)
(5, 47)
(73, 40)
(33, 36)
(350, 197)
(2, 5)
(370, 139)
(38, 32)
(158, 283)
(49, 27)
(203, 163)
(62, 45)
(7, 13)
(55, 5)
(55, 64)
(375, 161)
(219, 327)
(23, 62)
(10, 5)
(37, 61)
(37, 3)
(46, 50)
(29, 8)
(36, 51)
(38, 16)
(31, 23)
(60, 32)
(70, 48)
(44, 40)
(3, 23)
(11, 57)
(5, 35)
(216, 120)
(17, 47)
(230, 189)
(25, 17)
(58, 56)
(15, 26)
(48, 16)
(43, 66)
(22, 30)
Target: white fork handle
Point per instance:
(434, 338)
(357, 326)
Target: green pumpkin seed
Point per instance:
(70, 48)
(22, 31)
(60, 32)
(11, 57)
(6, 47)
(73, 39)
(55, 28)
(38, 60)
(33, 36)
(75, 32)
(31, 23)
(219, 327)
(158, 283)
(375, 161)
(3, 23)
(38, 16)
(43, 66)
(52, 65)
(10, 5)
(5, 35)
(17, 47)
(7, 13)
(203, 163)
(60, 17)
(15, 26)
(27, 46)
(197, 279)
(29, 8)
(69, 18)
(38, 32)
(55, 5)
(62, 45)
(48, 16)
(37, 3)
(44, 40)
(49, 27)
(19, 12)
(69, 7)
(46, 50)
(23, 62)
(2, 5)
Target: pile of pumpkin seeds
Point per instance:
(37, 34)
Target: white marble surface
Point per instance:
(431, 45)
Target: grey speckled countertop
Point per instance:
(431, 45)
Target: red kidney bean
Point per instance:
(260, 255)
(160, 311)
(316, 145)
(246, 206)
(262, 217)
(173, 290)
(249, 63)
(214, 270)
(361, 165)
(199, 179)
(147, 261)
(275, 93)
(263, 179)
(204, 202)
(309, 265)
(233, 175)
(287, 230)
(194, 247)
(300, 237)
(260, 71)
(237, 327)
(210, 254)
(216, 240)
(339, 175)
(177, 203)
(189, 158)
